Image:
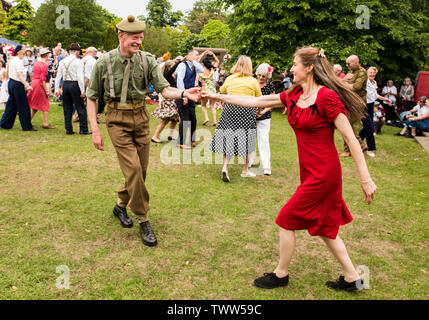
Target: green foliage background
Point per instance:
(271, 30)
(17, 21)
(88, 22)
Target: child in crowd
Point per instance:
(378, 119)
(4, 94)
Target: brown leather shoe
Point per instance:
(147, 235)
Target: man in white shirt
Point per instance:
(18, 87)
(88, 64)
(186, 74)
(71, 72)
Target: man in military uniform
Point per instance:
(125, 74)
(356, 81)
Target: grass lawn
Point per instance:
(58, 192)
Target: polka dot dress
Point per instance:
(235, 134)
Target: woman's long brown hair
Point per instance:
(324, 75)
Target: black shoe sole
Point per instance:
(122, 224)
(341, 289)
(150, 244)
(269, 287)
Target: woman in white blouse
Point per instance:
(18, 87)
(371, 96)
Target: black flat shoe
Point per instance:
(147, 235)
(71, 133)
(86, 133)
(123, 217)
(343, 285)
(271, 281)
(399, 134)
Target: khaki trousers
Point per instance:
(130, 134)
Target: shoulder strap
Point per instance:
(67, 70)
(110, 73)
(145, 67)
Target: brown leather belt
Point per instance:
(128, 106)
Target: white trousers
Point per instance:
(263, 132)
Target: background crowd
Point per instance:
(29, 77)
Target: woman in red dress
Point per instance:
(315, 107)
(38, 99)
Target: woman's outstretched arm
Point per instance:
(270, 101)
(344, 127)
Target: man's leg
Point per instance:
(193, 118)
(68, 107)
(80, 108)
(185, 121)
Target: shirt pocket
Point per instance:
(139, 78)
(118, 78)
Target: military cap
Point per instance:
(131, 25)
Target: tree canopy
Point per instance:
(161, 15)
(215, 33)
(271, 30)
(18, 21)
(202, 12)
(87, 23)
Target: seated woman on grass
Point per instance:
(418, 117)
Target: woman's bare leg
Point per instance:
(204, 107)
(159, 129)
(213, 109)
(287, 247)
(45, 118)
(33, 113)
(339, 250)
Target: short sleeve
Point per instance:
(332, 105)
(284, 98)
(94, 89)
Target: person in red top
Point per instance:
(338, 71)
(315, 107)
(38, 98)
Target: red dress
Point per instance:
(317, 204)
(37, 98)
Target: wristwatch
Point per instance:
(183, 94)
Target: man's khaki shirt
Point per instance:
(137, 88)
(359, 81)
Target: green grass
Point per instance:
(58, 192)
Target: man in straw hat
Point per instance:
(126, 73)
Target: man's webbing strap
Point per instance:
(110, 72)
(145, 68)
